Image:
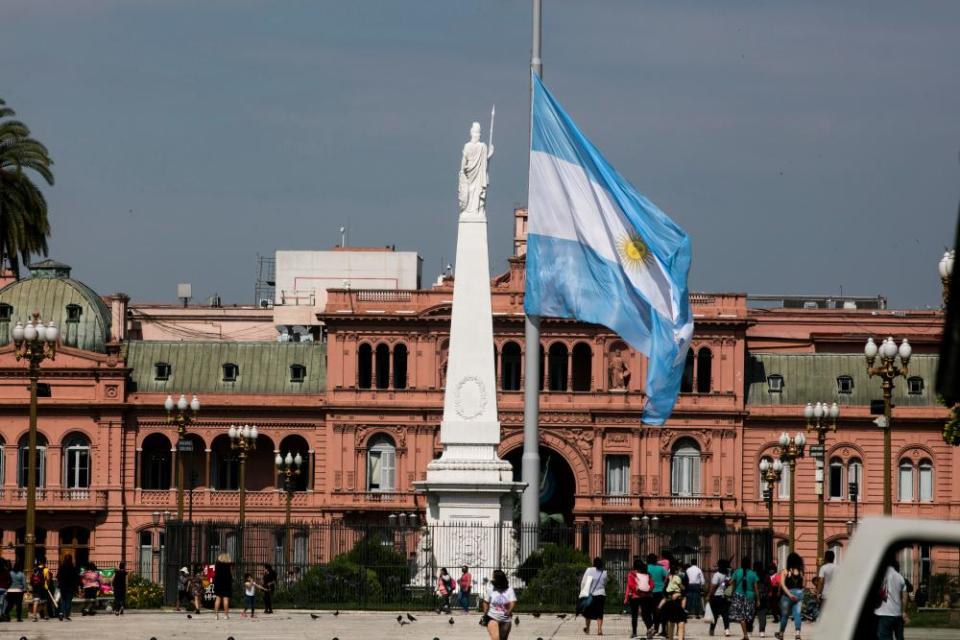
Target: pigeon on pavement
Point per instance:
(411, 618)
(314, 616)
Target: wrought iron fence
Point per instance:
(323, 565)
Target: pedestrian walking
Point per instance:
(68, 580)
(719, 596)
(659, 577)
(269, 586)
(197, 589)
(791, 594)
(465, 583)
(743, 602)
(764, 590)
(825, 577)
(892, 611)
(90, 581)
(120, 589)
(39, 589)
(498, 603)
(637, 595)
(183, 576)
(249, 596)
(14, 598)
(222, 584)
(673, 609)
(593, 596)
(4, 585)
(445, 588)
(695, 580)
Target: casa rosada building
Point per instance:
(362, 403)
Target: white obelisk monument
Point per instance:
(469, 484)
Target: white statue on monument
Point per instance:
(472, 186)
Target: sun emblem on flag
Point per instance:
(633, 250)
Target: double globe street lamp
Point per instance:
(820, 418)
(242, 440)
(771, 473)
(791, 450)
(34, 342)
(887, 370)
(289, 468)
(181, 413)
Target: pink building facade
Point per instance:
(363, 405)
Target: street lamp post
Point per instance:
(182, 414)
(771, 473)
(36, 342)
(791, 450)
(289, 468)
(820, 418)
(946, 271)
(887, 372)
(242, 440)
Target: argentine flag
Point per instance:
(600, 252)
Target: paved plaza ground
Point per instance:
(348, 625)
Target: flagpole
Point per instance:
(530, 501)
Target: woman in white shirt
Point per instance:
(593, 595)
(498, 603)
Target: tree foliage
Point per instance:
(24, 226)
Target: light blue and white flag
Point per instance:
(600, 252)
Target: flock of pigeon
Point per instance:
(409, 620)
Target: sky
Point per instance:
(806, 147)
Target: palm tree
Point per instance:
(24, 227)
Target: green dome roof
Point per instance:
(81, 315)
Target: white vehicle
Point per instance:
(847, 614)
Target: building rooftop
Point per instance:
(199, 367)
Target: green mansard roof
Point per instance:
(813, 378)
(197, 367)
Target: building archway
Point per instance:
(558, 485)
(155, 462)
(294, 444)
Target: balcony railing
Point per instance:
(230, 498)
(59, 498)
(666, 504)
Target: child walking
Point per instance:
(249, 595)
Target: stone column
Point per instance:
(207, 470)
(137, 468)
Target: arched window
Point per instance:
(400, 366)
(835, 479)
(76, 463)
(557, 361)
(686, 382)
(905, 482)
(543, 369)
(855, 477)
(837, 549)
(6, 312)
(704, 370)
(22, 462)
(155, 462)
(783, 550)
(783, 489)
(926, 481)
(225, 465)
(381, 464)
(298, 373)
(510, 367)
(382, 357)
(365, 366)
(293, 445)
(762, 484)
(582, 366)
(685, 468)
